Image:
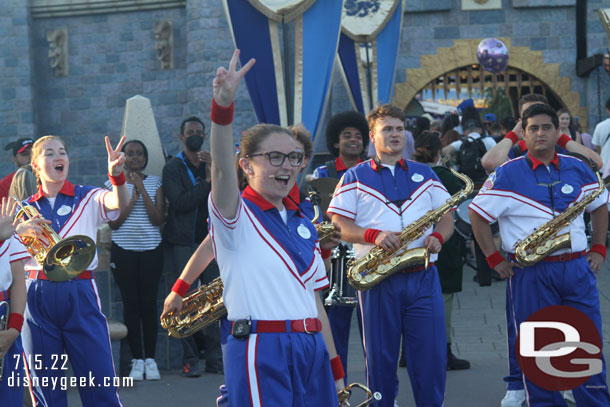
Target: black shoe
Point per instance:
(214, 367)
(454, 363)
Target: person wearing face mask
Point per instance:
(137, 259)
(186, 185)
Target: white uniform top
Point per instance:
(518, 195)
(372, 197)
(78, 210)
(11, 250)
(270, 269)
(489, 142)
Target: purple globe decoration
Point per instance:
(492, 55)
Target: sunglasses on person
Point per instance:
(277, 158)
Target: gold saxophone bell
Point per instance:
(3, 324)
(345, 394)
(325, 229)
(200, 309)
(61, 259)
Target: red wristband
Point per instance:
(337, 368)
(117, 180)
(222, 115)
(180, 287)
(599, 248)
(563, 140)
(370, 235)
(14, 321)
(438, 236)
(494, 259)
(326, 253)
(512, 136)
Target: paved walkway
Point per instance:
(478, 335)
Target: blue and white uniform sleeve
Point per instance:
(590, 185)
(492, 200)
(226, 231)
(345, 198)
(100, 213)
(320, 279)
(438, 193)
(17, 250)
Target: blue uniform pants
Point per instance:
(11, 386)
(66, 318)
(571, 283)
(514, 380)
(410, 304)
(279, 369)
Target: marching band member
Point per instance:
(66, 317)
(523, 194)
(373, 202)
(346, 139)
(12, 291)
(276, 349)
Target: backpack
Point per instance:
(469, 158)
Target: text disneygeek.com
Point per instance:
(62, 383)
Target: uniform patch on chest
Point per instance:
(64, 210)
(303, 231)
(417, 177)
(567, 189)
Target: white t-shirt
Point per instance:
(488, 141)
(601, 135)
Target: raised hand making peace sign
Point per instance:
(116, 158)
(226, 82)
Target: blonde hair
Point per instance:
(37, 150)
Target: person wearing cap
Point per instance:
(21, 156)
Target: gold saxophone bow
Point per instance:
(345, 394)
(200, 309)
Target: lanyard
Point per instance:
(180, 155)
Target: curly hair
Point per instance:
(387, 110)
(339, 122)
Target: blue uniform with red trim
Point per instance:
(522, 195)
(271, 270)
(340, 317)
(408, 302)
(66, 317)
(11, 386)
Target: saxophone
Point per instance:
(200, 309)
(377, 265)
(325, 229)
(542, 242)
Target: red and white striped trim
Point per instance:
(253, 382)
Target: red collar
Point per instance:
(258, 200)
(295, 194)
(536, 163)
(66, 189)
(375, 166)
(522, 145)
(340, 165)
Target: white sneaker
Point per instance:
(568, 396)
(513, 398)
(152, 373)
(137, 369)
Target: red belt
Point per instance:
(559, 257)
(40, 275)
(4, 295)
(307, 325)
(417, 268)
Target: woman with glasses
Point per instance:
(280, 348)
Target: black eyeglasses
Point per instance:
(276, 158)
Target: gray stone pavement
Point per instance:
(478, 336)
